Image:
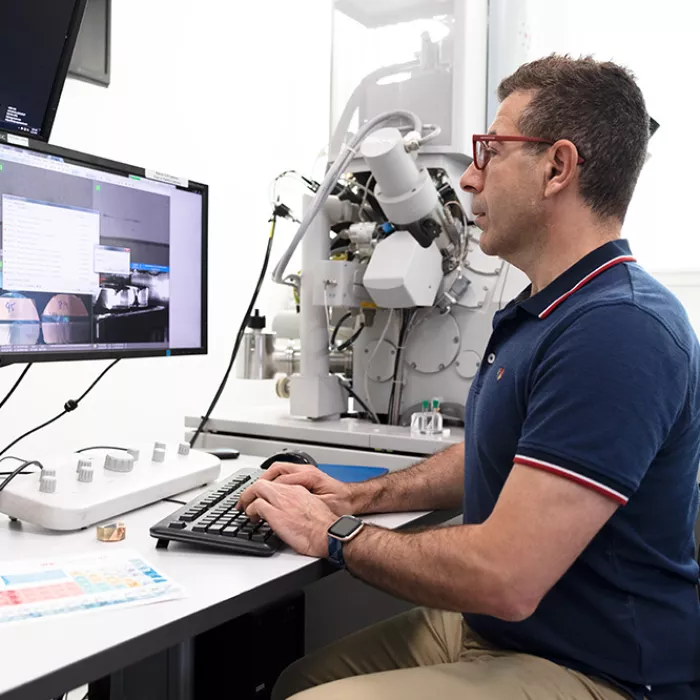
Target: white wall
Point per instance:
(659, 42)
(229, 94)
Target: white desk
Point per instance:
(44, 659)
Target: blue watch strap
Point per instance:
(335, 552)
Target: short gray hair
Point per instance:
(600, 108)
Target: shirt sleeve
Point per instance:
(604, 397)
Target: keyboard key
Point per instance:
(214, 516)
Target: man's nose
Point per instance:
(472, 180)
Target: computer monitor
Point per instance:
(36, 44)
(98, 259)
(91, 55)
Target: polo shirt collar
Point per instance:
(577, 276)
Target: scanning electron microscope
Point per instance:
(395, 298)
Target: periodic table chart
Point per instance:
(32, 590)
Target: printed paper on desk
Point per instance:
(37, 589)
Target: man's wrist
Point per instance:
(341, 532)
(363, 494)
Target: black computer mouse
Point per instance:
(293, 456)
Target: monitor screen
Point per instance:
(98, 259)
(36, 43)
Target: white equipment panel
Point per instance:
(82, 489)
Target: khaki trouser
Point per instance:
(431, 654)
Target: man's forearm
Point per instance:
(437, 483)
(447, 568)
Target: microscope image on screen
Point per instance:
(133, 308)
(41, 318)
(131, 304)
(82, 262)
(65, 320)
(19, 320)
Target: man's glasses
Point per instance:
(482, 154)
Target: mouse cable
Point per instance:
(279, 210)
(69, 406)
(16, 384)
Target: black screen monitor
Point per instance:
(98, 259)
(36, 44)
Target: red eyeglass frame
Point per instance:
(484, 138)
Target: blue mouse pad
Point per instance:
(349, 473)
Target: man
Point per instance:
(573, 575)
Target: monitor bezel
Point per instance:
(101, 78)
(117, 168)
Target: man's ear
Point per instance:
(562, 167)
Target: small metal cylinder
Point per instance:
(288, 361)
(256, 356)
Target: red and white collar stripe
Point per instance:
(586, 280)
(572, 476)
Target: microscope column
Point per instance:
(315, 393)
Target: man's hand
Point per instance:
(335, 494)
(296, 515)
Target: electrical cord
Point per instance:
(15, 385)
(302, 179)
(371, 359)
(346, 343)
(18, 459)
(69, 406)
(351, 340)
(241, 330)
(364, 196)
(366, 408)
(334, 334)
(101, 447)
(19, 470)
(407, 317)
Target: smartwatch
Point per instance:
(342, 530)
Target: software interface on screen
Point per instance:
(32, 37)
(93, 261)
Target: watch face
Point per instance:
(344, 527)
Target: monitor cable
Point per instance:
(15, 385)
(279, 210)
(68, 407)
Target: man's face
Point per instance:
(507, 194)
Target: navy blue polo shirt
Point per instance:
(595, 379)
